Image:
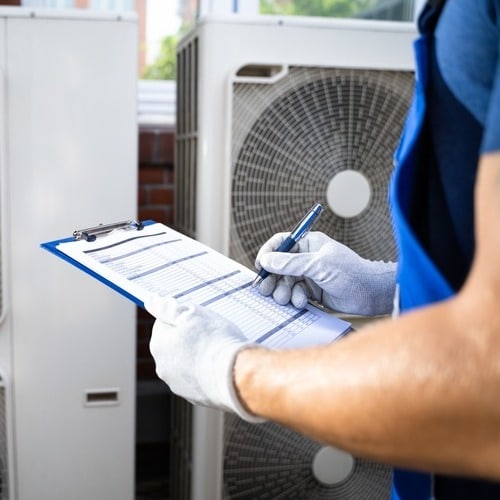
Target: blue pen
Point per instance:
(299, 231)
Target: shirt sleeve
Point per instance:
(491, 137)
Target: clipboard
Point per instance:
(137, 259)
(91, 234)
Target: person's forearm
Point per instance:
(410, 392)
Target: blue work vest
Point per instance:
(419, 281)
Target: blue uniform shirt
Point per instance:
(463, 121)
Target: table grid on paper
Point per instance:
(172, 266)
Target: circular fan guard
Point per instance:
(292, 137)
(267, 461)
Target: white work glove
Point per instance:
(194, 351)
(324, 270)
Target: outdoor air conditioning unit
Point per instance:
(68, 159)
(273, 115)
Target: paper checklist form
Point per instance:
(158, 260)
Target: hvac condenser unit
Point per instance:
(68, 160)
(273, 115)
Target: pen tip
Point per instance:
(256, 282)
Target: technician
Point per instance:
(420, 391)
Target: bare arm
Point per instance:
(422, 391)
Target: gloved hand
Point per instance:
(194, 350)
(328, 272)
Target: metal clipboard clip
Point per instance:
(91, 233)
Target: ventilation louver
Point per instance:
(3, 443)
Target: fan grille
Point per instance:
(186, 142)
(268, 461)
(291, 137)
(181, 444)
(3, 444)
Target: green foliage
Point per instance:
(325, 8)
(164, 66)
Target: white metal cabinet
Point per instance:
(67, 343)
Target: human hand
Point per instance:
(324, 270)
(194, 351)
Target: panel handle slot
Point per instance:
(101, 397)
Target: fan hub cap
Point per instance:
(332, 466)
(348, 193)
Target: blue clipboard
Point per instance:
(319, 325)
(90, 234)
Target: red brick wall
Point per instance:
(156, 201)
